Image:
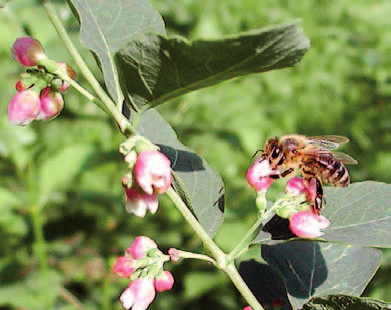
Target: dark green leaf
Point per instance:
(315, 269)
(155, 69)
(359, 214)
(264, 282)
(202, 184)
(108, 25)
(337, 302)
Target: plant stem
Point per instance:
(39, 246)
(185, 254)
(242, 287)
(245, 242)
(40, 253)
(218, 254)
(121, 120)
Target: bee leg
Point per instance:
(282, 174)
(316, 184)
(286, 172)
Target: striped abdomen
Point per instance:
(328, 168)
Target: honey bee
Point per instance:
(315, 159)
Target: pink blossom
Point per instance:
(164, 281)
(258, 175)
(306, 224)
(140, 247)
(52, 104)
(247, 308)
(70, 72)
(297, 186)
(27, 51)
(153, 172)
(24, 107)
(139, 294)
(174, 254)
(124, 266)
(138, 202)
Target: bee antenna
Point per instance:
(255, 154)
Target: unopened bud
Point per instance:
(27, 51)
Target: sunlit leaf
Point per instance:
(316, 269)
(155, 69)
(201, 184)
(108, 25)
(359, 214)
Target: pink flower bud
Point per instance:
(258, 175)
(139, 294)
(247, 308)
(164, 281)
(52, 104)
(140, 247)
(27, 51)
(306, 224)
(24, 107)
(174, 254)
(153, 172)
(70, 72)
(295, 186)
(138, 202)
(19, 86)
(124, 266)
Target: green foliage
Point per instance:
(345, 302)
(315, 269)
(156, 69)
(107, 26)
(209, 206)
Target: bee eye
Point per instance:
(275, 153)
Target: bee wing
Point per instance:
(345, 158)
(327, 142)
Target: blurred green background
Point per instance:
(342, 87)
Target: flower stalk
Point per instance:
(110, 106)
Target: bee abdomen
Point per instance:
(336, 174)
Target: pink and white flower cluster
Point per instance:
(305, 223)
(39, 94)
(151, 177)
(143, 264)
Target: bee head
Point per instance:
(274, 150)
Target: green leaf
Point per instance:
(359, 214)
(333, 302)
(202, 184)
(59, 170)
(315, 269)
(155, 69)
(108, 25)
(264, 282)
